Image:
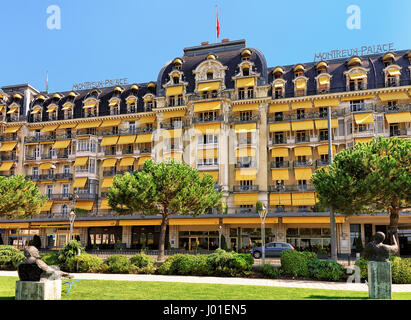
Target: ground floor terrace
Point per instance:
(240, 232)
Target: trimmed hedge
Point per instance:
(295, 263)
(328, 270)
(142, 263)
(10, 257)
(85, 263)
(400, 269)
(270, 271)
(117, 263)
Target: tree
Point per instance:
(19, 198)
(36, 241)
(163, 189)
(369, 178)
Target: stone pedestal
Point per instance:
(379, 280)
(31, 290)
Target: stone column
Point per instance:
(379, 280)
(43, 237)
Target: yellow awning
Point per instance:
(323, 124)
(15, 225)
(280, 174)
(45, 166)
(12, 110)
(302, 125)
(148, 119)
(144, 138)
(280, 199)
(141, 160)
(245, 127)
(300, 84)
(332, 102)
(109, 141)
(49, 128)
(89, 105)
(279, 127)
(194, 221)
(249, 220)
(207, 106)
(8, 146)
(245, 199)
(110, 123)
(52, 108)
(302, 151)
(209, 86)
(174, 91)
(86, 125)
(360, 75)
(131, 99)
(85, 205)
(68, 125)
(127, 139)
(12, 129)
(279, 152)
(127, 162)
(398, 117)
(107, 182)
(47, 206)
(361, 97)
(363, 118)
(279, 84)
(67, 107)
(109, 163)
(80, 162)
(246, 152)
(245, 82)
(303, 173)
(174, 114)
(6, 166)
(36, 110)
(61, 144)
(174, 133)
(98, 223)
(207, 154)
(245, 107)
(362, 140)
(113, 103)
(323, 149)
(312, 220)
(394, 72)
(324, 80)
(246, 174)
(301, 105)
(279, 108)
(303, 199)
(213, 173)
(79, 182)
(104, 205)
(393, 96)
(208, 128)
(140, 222)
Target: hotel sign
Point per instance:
(100, 84)
(346, 53)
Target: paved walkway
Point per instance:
(220, 280)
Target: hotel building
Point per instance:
(260, 131)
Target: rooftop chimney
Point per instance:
(204, 43)
(225, 40)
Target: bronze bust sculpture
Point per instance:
(377, 251)
(34, 269)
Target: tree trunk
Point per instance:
(393, 227)
(163, 229)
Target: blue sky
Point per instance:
(107, 39)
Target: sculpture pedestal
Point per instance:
(31, 290)
(379, 280)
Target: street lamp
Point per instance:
(280, 187)
(220, 231)
(262, 211)
(72, 217)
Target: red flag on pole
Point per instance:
(218, 25)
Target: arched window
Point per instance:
(210, 75)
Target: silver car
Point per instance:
(272, 249)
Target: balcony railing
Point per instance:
(60, 197)
(109, 173)
(398, 132)
(126, 151)
(321, 163)
(209, 96)
(397, 108)
(291, 188)
(9, 157)
(240, 165)
(110, 152)
(145, 151)
(205, 119)
(85, 196)
(280, 164)
(46, 157)
(242, 119)
(252, 188)
(6, 138)
(278, 141)
(300, 139)
(173, 147)
(172, 125)
(64, 176)
(302, 164)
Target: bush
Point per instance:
(270, 271)
(229, 263)
(401, 270)
(168, 267)
(248, 258)
(326, 270)
(51, 258)
(10, 257)
(117, 263)
(84, 263)
(69, 251)
(295, 263)
(142, 260)
(363, 265)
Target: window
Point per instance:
(279, 138)
(250, 92)
(208, 139)
(64, 209)
(245, 115)
(323, 112)
(278, 116)
(210, 75)
(35, 171)
(66, 189)
(300, 113)
(92, 165)
(324, 158)
(49, 190)
(241, 93)
(300, 136)
(302, 185)
(132, 126)
(323, 134)
(278, 92)
(176, 80)
(246, 71)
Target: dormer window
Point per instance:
(298, 71)
(392, 76)
(278, 73)
(68, 110)
(354, 62)
(37, 113)
(210, 75)
(388, 59)
(177, 63)
(52, 112)
(246, 55)
(176, 80)
(246, 72)
(322, 67)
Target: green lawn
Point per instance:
(136, 290)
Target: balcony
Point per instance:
(64, 176)
(301, 139)
(398, 132)
(242, 119)
(205, 119)
(7, 138)
(85, 196)
(126, 151)
(209, 96)
(362, 107)
(278, 118)
(244, 142)
(321, 163)
(145, 150)
(109, 173)
(173, 147)
(9, 157)
(62, 155)
(110, 152)
(279, 164)
(291, 188)
(397, 108)
(302, 164)
(16, 118)
(244, 95)
(240, 165)
(46, 157)
(278, 140)
(253, 188)
(363, 133)
(29, 157)
(60, 197)
(172, 125)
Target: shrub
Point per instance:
(167, 266)
(10, 257)
(118, 263)
(363, 265)
(69, 251)
(248, 258)
(229, 263)
(142, 260)
(84, 263)
(326, 270)
(270, 271)
(295, 263)
(401, 270)
(51, 258)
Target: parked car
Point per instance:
(272, 249)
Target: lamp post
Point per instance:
(220, 231)
(262, 212)
(72, 217)
(280, 187)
